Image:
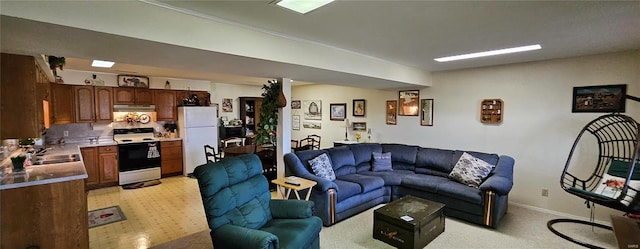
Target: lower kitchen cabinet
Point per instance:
(45, 216)
(101, 164)
(171, 156)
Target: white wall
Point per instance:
(75, 77)
(233, 91)
(538, 128)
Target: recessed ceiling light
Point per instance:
(489, 53)
(105, 64)
(302, 6)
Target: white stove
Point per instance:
(138, 155)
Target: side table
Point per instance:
(285, 188)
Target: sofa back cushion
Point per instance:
(489, 158)
(362, 152)
(401, 153)
(307, 155)
(436, 159)
(343, 161)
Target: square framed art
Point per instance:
(338, 112)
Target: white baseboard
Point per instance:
(566, 215)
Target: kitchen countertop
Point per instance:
(50, 173)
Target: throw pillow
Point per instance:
(470, 170)
(611, 186)
(381, 161)
(321, 166)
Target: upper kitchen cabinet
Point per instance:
(93, 104)
(62, 108)
(23, 92)
(165, 101)
(130, 96)
(181, 95)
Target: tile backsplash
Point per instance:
(81, 132)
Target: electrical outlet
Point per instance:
(545, 192)
(65, 134)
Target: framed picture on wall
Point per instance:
(359, 106)
(227, 105)
(133, 81)
(426, 112)
(359, 126)
(338, 112)
(408, 102)
(312, 109)
(607, 98)
(295, 122)
(295, 104)
(392, 112)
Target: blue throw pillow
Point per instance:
(381, 162)
(321, 166)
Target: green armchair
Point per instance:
(241, 214)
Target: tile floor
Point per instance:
(155, 214)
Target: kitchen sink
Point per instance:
(41, 160)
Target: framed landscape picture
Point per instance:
(133, 81)
(359, 106)
(607, 98)
(408, 102)
(338, 112)
(392, 112)
(359, 126)
(295, 104)
(426, 112)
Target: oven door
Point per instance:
(135, 156)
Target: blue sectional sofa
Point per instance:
(421, 172)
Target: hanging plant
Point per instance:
(268, 125)
(56, 62)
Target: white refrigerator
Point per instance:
(197, 126)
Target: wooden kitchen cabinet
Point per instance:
(61, 106)
(171, 156)
(102, 166)
(93, 104)
(23, 87)
(143, 96)
(90, 159)
(108, 163)
(130, 96)
(165, 101)
(182, 94)
(45, 216)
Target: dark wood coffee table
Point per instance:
(408, 222)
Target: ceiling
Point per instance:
(410, 33)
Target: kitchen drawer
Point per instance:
(171, 143)
(107, 149)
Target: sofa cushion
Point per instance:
(307, 155)
(362, 152)
(367, 183)
(455, 190)
(470, 170)
(347, 189)
(342, 160)
(391, 178)
(381, 161)
(401, 153)
(489, 158)
(424, 182)
(435, 159)
(431, 172)
(321, 166)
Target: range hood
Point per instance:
(134, 108)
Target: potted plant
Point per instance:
(272, 99)
(56, 62)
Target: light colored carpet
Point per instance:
(520, 228)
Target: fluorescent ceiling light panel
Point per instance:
(302, 6)
(489, 53)
(105, 64)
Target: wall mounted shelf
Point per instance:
(491, 111)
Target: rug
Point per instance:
(105, 216)
(141, 184)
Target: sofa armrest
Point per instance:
(295, 167)
(504, 167)
(291, 209)
(500, 185)
(232, 236)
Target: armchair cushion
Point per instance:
(232, 236)
(291, 209)
(294, 233)
(321, 166)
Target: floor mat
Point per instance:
(105, 216)
(141, 184)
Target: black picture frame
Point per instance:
(134, 81)
(359, 126)
(296, 104)
(338, 112)
(359, 107)
(604, 98)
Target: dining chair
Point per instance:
(233, 141)
(316, 142)
(211, 155)
(305, 144)
(294, 145)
